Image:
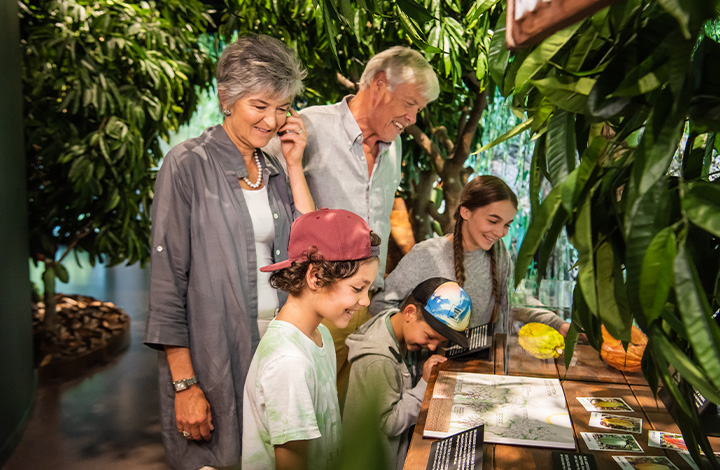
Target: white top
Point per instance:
(264, 229)
(290, 395)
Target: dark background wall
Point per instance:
(16, 361)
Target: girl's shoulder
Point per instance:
(433, 245)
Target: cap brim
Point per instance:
(453, 335)
(276, 266)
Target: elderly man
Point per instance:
(353, 154)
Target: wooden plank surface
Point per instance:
(580, 417)
(506, 457)
(523, 364)
(587, 366)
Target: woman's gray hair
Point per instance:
(258, 64)
(402, 65)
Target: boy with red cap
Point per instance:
(291, 415)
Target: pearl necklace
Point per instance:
(259, 176)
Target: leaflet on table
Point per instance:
(462, 451)
(525, 411)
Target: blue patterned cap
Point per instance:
(446, 307)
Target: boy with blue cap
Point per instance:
(387, 375)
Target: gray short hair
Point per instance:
(402, 65)
(258, 64)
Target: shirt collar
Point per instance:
(225, 152)
(351, 126)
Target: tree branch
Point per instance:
(462, 149)
(347, 83)
(428, 146)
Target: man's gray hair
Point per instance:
(402, 65)
(258, 64)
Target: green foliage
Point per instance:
(102, 80)
(335, 38)
(613, 102)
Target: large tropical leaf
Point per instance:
(613, 315)
(542, 54)
(656, 276)
(538, 227)
(582, 239)
(566, 93)
(701, 204)
(560, 146)
(703, 332)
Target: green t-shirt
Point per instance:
(291, 395)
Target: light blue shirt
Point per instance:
(337, 173)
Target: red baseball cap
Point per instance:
(338, 235)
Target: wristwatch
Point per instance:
(184, 384)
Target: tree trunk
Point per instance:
(51, 318)
(419, 204)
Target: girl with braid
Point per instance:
(474, 256)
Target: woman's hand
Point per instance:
(293, 137)
(192, 412)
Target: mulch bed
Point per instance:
(90, 332)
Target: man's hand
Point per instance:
(192, 412)
(431, 362)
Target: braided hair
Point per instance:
(480, 192)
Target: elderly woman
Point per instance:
(222, 209)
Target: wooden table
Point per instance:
(587, 376)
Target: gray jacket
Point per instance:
(379, 376)
(203, 291)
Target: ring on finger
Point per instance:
(300, 131)
(186, 434)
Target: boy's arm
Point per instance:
(378, 380)
(291, 455)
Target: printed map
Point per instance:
(515, 410)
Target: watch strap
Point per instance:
(184, 384)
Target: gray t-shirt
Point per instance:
(434, 257)
(291, 395)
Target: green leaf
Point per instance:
(676, 10)
(701, 205)
(542, 54)
(538, 160)
(685, 366)
(581, 50)
(498, 55)
(567, 93)
(703, 332)
(651, 216)
(617, 324)
(667, 379)
(523, 126)
(415, 11)
(538, 227)
(478, 8)
(560, 146)
(61, 273)
(575, 183)
(570, 342)
(656, 277)
(582, 240)
(550, 239)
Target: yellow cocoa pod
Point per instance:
(541, 341)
